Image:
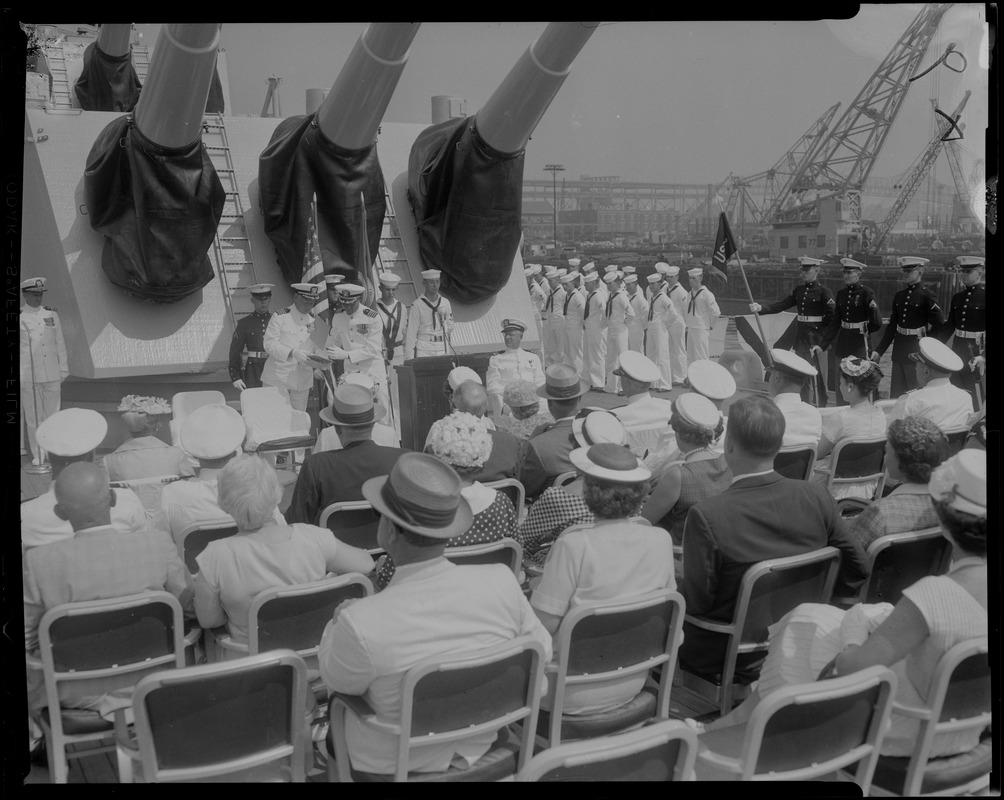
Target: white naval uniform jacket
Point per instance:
(359, 340)
(512, 365)
(425, 320)
(702, 310)
(42, 342)
(289, 330)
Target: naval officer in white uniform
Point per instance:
(430, 321)
(803, 424)
(644, 417)
(289, 346)
(357, 338)
(43, 364)
(701, 314)
(946, 405)
(515, 364)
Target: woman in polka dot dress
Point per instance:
(463, 441)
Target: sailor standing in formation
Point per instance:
(43, 366)
(855, 317)
(573, 309)
(289, 346)
(430, 321)
(618, 311)
(967, 323)
(249, 335)
(515, 364)
(915, 313)
(357, 338)
(594, 344)
(677, 325)
(700, 316)
(392, 316)
(657, 337)
(554, 331)
(636, 324)
(538, 296)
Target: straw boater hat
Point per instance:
(353, 407)
(610, 462)
(711, 379)
(71, 432)
(961, 481)
(561, 382)
(938, 355)
(791, 364)
(212, 432)
(595, 425)
(422, 495)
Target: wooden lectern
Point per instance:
(420, 392)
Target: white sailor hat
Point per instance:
(550, 270)
(937, 354)
(561, 271)
(431, 274)
(261, 288)
(513, 324)
(610, 277)
(662, 267)
(594, 425)
(389, 279)
(630, 279)
(34, 285)
(912, 262)
(970, 262)
(334, 278)
(805, 262)
(961, 482)
(459, 375)
(698, 410)
(589, 277)
(634, 365)
(850, 263)
(71, 432)
(531, 269)
(628, 270)
(672, 272)
(306, 289)
(348, 290)
(696, 272)
(574, 262)
(655, 277)
(711, 379)
(610, 268)
(213, 431)
(589, 267)
(568, 278)
(610, 462)
(792, 364)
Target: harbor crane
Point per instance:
(272, 107)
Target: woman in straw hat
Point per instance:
(934, 614)
(527, 416)
(143, 455)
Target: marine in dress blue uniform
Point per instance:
(249, 335)
(966, 325)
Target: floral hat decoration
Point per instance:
(462, 440)
(145, 405)
(856, 367)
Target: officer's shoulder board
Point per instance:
(48, 308)
(282, 311)
(369, 312)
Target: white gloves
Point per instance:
(239, 384)
(755, 308)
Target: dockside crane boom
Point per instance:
(963, 186)
(272, 107)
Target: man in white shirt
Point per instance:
(644, 417)
(515, 364)
(701, 314)
(430, 321)
(803, 422)
(43, 364)
(618, 311)
(431, 608)
(938, 400)
(290, 348)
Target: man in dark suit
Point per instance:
(761, 516)
(336, 476)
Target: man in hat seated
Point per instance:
(712, 380)
(383, 433)
(69, 436)
(249, 336)
(966, 324)
(430, 321)
(701, 315)
(915, 313)
(43, 365)
(762, 515)
(937, 399)
(545, 455)
(292, 354)
(431, 608)
(515, 364)
(644, 417)
(338, 475)
(803, 422)
(357, 339)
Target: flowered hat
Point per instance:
(461, 439)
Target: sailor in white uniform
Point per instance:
(660, 270)
(677, 325)
(574, 308)
(538, 295)
(357, 337)
(803, 424)
(43, 366)
(430, 321)
(515, 364)
(594, 343)
(644, 417)
(701, 314)
(637, 323)
(618, 311)
(554, 352)
(289, 346)
(946, 405)
(394, 318)
(657, 331)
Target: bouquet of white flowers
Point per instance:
(461, 440)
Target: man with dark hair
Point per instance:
(761, 516)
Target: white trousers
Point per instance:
(573, 346)
(617, 343)
(698, 344)
(678, 351)
(44, 400)
(555, 354)
(594, 355)
(658, 352)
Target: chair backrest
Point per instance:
(294, 617)
(956, 438)
(99, 646)
(148, 490)
(810, 730)
(850, 507)
(505, 551)
(795, 461)
(858, 460)
(193, 538)
(239, 718)
(468, 693)
(353, 522)
(662, 751)
(184, 403)
(269, 416)
(565, 478)
(512, 489)
(898, 560)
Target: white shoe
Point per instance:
(36, 461)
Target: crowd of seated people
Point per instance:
(608, 534)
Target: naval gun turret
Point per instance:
(331, 155)
(150, 186)
(465, 176)
(108, 79)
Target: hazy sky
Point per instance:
(683, 101)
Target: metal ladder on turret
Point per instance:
(59, 91)
(141, 61)
(232, 245)
(391, 256)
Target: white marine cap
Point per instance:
(696, 272)
(459, 375)
(610, 277)
(937, 354)
(630, 279)
(389, 279)
(431, 274)
(788, 362)
(261, 288)
(637, 367)
(571, 276)
(961, 482)
(306, 289)
(347, 290)
(34, 284)
(672, 272)
(912, 262)
(806, 262)
(971, 262)
(628, 270)
(589, 267)
(594, 425)
(71, 432)
(334, 278)
(610, 462)
(662, 267)
(610, 268)
(212, 431)
(850, 263)
(589, 277)
(574, 262)
(655, 277)
(698, 410)
(711, 379)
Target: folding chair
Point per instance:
(149, 491)
(237, 720)
(850, 507)
(514, 490)
(450, 697)
(768, 591)
(664, 750)
(806, 731)
(193, 539)
(353, 522)
(959, 699)
(273, 425)
(898, 560)
(97, 647)
(858, 461)
(184, 403)
(795, 461)
(956, 438)
(505, 551)
(604, 641)
(565, 478)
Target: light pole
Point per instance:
(554, 169)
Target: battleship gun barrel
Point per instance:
(113, 38)
(173, 101)
(353, 109)
(517, 105)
